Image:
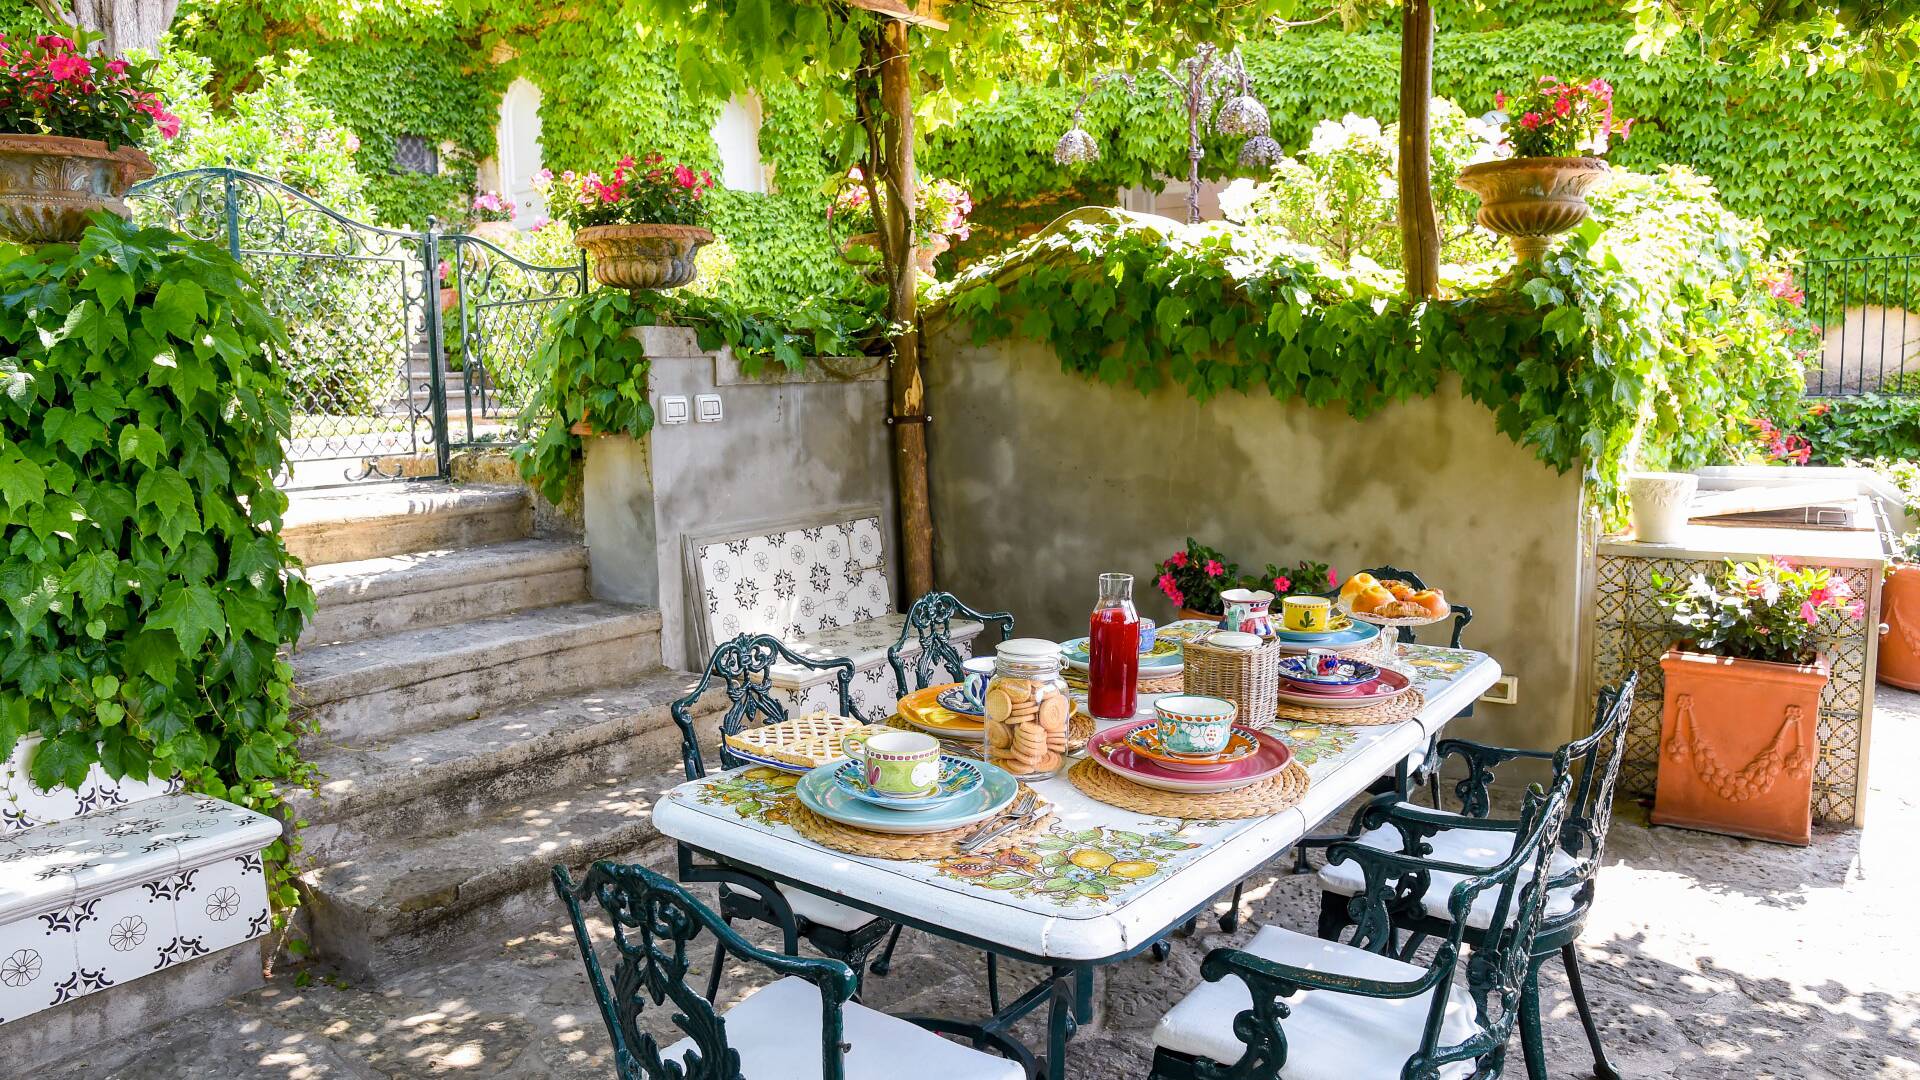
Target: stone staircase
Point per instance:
(480, 717)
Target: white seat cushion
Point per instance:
(818, 909)
(777, 1034)
(1467, 847)
(1330, 1035)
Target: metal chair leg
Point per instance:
(993, 983)
(1300, 865)
(1333, 916)
(1161, 949)
(881, 966)
(1531, 1042)
(1230, 922)
(1602, 1068)
(1433, 787)
(719, 964)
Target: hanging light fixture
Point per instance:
(1242, 114)
(1076, 147)
(1259, 152)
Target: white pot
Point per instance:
(1660, 502)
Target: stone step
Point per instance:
(478, 881)
(372, 597)
(411, 784)
(374, 520)
(416, 680)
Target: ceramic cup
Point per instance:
(903, 764)
(1306, 614)
(1323, 662)
(1192, 724)
(1148, 634)
(977, 671)
(1247, 612)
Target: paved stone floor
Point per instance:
(1706, 958)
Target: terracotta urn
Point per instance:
(1900, 637)
(50, 184)
(643, 256)
(1532, 200)
(1738, 743)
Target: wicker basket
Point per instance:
(1250, 678)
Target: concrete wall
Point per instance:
(1041, 480)
(787, 448)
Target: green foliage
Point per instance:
(591, 369)
(145, 592)
(1765, 610)
(1649, 335)
(1873, 425)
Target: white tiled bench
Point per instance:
(821, 587)
(117, 880)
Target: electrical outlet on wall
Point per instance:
(706, 409)
(673, 410)
(1504, 691)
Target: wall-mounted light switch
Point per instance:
(706, 408)
(1504, 691)
(673, 410)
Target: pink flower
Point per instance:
(169, 126)
(69, 67)
(1563, 106)
(118, 67)
(684, 176)
(1214, 569)
(1178, 558)
(1531, 121)
(1333, 577)
(1809, 612)
(1178, 599)
(1857, 610)
(1500, 99)
(1166, 585)
(54, 41)
(1783, 288)
(1282, 583)
(353, 147)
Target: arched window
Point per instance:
(518, 137)
(737, 136)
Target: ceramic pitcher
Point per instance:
(1247, 611)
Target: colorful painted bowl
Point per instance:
(958, 778)
(1300, 670)
(1144, 740)
(1389, 685)
(1193, 724)
(1109, 749)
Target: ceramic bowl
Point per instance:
(1194, 724)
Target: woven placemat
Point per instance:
(938, 845)
(1269, 796)
(1392, 711)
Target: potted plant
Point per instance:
(492, 216)
(68, 125)
(1900, 617)
(641, 224)
(1303, 578)
(1556, 145)
(1193, 579)
(1738, 729)
(940, 210)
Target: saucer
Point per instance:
(818, 792)
(954, 700)
(1390, 684)
(1109, 749)
(1295, 670)
(1144, 740)
(958, 779)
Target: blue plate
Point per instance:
(957, 778)
(1167, 657)
(1358, 634)
(1352, 673)
(954, 700)
(819, 793)
(756, 759)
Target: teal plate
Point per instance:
(1358, 634)
(958, 778)
(820, 793)
(1166, 657)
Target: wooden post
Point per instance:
(1419, 229)
(909, 412)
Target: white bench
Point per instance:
(117, 880)
(821, 587)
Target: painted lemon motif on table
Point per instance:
(762, 772)
(1133, 868)
(1091, 859)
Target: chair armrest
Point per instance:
(1403, 811)
(1274, 979)
(1482, 759)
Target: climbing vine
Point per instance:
(144, 591)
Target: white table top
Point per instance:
(1102, 881)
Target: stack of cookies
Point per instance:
(1027, 725)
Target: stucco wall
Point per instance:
(1041, 480)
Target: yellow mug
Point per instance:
(1305, 614)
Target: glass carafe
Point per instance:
(1113, 651)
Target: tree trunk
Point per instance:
(1419, 230)
(127, 24)
(909, 412)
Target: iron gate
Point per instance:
(402, 346)
(1868, 314)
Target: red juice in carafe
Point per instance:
(1113, 650)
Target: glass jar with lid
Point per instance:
(1028, 709)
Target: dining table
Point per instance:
(1100, 884)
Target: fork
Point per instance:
(1024, 809)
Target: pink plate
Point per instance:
(1109, 748)
(1389, 685)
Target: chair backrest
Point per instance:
(1598, 756)
(654, 924)
(744, 665)
(931, 618)
(1462, 614)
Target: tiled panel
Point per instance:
(223, 903)
(795, 582)
(37, 968)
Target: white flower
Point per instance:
(127, 934)
(21, 968)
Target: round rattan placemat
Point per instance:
(1269, 796)
(937, 845)
(1392, 711)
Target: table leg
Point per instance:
(1060, 1021)
(1083, 995)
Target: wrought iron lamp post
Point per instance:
(1200, 83)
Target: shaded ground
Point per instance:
(1706, 958)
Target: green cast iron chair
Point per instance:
(1294, 1007)
(771, 1034)
(1591, 765)
(931, 620)
(744, 665)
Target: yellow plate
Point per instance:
(923, 710)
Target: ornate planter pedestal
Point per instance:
(49, 185)
(643, 256)
(1900, 643)
(1532, 200)
(1737, 746)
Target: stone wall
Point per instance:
(1043, 479)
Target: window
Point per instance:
(518, 140)
(736, 134)
(413, 153)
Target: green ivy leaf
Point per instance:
(192, 613)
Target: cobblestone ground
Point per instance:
(1706, 958)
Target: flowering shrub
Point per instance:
(1766, 610)
(940, 208)
(1304, 577)
(1560, 119)
(1773, 446)
(492, 206)
(1195, 576)
(52, 87)
(656, 192)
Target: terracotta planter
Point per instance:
(449, 298)
(1532, 200)
(1738, 742)
(50, 184)
(1900, 641)
(643, 256)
